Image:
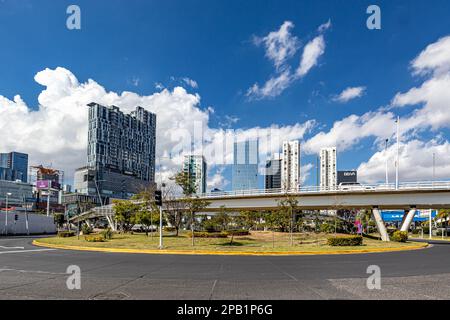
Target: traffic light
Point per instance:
(16, 217)
(158, 197)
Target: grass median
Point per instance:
(256, 242)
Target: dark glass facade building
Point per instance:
(14, 166)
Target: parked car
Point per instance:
(347, 186)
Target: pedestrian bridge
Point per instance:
(421, 195)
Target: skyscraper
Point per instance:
(245, 166)
(328, 173)
(273, 172)
(14, 166)
(121, 150)
(196, 168)
(290, 165)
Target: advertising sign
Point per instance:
(347, 176)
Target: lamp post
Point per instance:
(387, 175)
(8, 194)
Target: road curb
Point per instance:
(235, 253)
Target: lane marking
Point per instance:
(3, 247)
(22, 251)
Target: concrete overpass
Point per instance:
(409, 196)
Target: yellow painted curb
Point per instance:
(235, 253)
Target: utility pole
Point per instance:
(385, 151)
(434, 167)
(398, 153)
(48, 197)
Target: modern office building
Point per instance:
(196, 168)
(328, 173)
(245, 165)
(14, 166)
(121, 152)
(273, 172)
(17, 192)
(290, 165)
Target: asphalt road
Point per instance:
(29, 272)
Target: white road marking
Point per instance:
(3, 247)
(30, 271)
(22, 251)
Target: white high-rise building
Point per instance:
(195, 167)
(290, 165)
(328, 173)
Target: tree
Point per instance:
(289, 207)
(148, 216)
(222, 218)
(125, 214)
(443, 214)
(175, 210)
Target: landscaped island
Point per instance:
(263, 242)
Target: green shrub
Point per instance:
(94, 238)
(326, 227)
(399, 236)
(86, 229)
(170, 229)
(66, 234)
(241, 232)
(345, 241)
(202, 234)
(107, 234)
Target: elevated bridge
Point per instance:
(409, 196)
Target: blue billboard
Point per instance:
(397, 215)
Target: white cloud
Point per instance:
(280, 45)
(217, 180)
(192, 83)
(434, 59)
(56, 131)
(272, 88)
(311, 53)
(416, 162)
(325, 26)
(349, 94)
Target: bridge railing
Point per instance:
(418, 185)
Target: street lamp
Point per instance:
(398, 148)
(387, 175)
(8, 194)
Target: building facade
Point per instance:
(290, 165)
(195, 166)
(18, 193)
(245, 165)
(121, 152)
(14, 166)
(272, 179)
(328, 173)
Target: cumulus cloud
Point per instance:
(416, 162)
(55, 132)
(349, 93)
(272, 88)
(430, 103)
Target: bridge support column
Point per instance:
(380, 224)
(408, 219)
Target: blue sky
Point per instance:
(133, 45)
